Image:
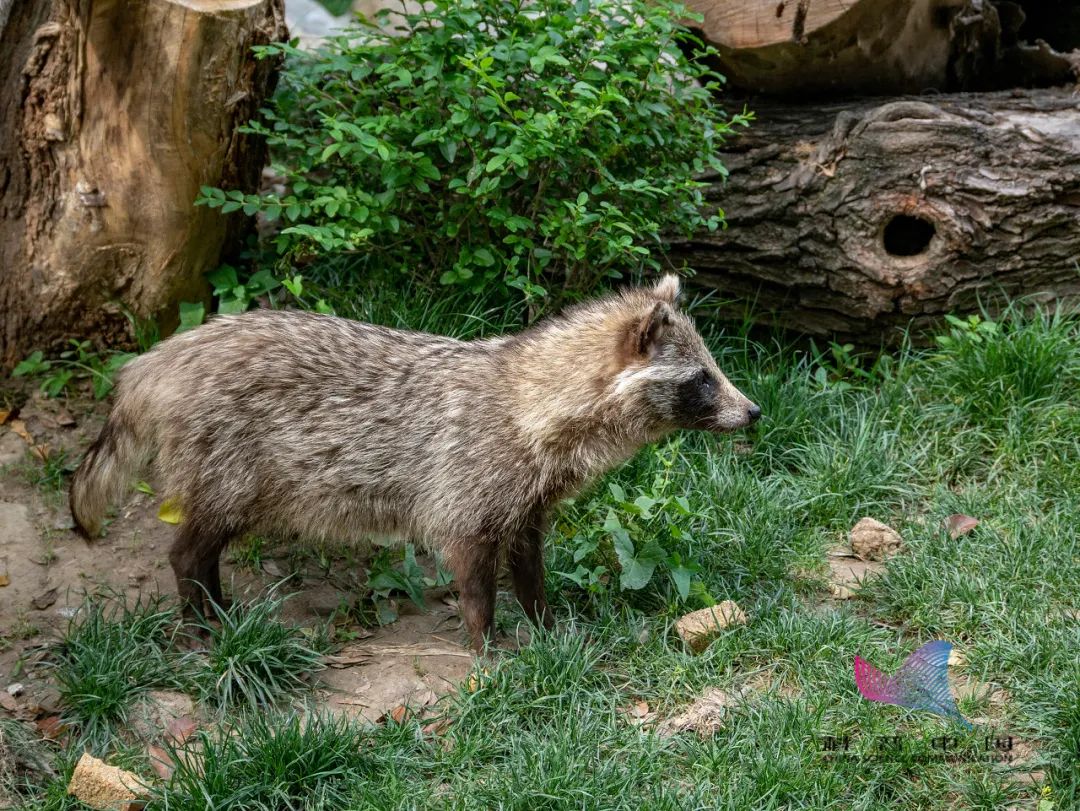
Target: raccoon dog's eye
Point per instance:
(705, 379)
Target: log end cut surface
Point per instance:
(856, 221)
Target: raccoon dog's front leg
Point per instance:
(525, 559)
(474, 562)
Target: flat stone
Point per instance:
(699, 628)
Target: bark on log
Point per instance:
(111, 117)
(855, 221)
(796, 47)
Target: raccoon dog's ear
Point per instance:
(668, 289)
(649, 331)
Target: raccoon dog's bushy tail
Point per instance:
(106, 470)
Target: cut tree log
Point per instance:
(111, 117)
(856, 219)
(828, 47)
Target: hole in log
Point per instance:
(907, 236)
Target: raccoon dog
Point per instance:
(302, 425)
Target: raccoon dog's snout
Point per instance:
(296, 424)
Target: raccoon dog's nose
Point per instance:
(754, 413)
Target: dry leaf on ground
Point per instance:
(170, 512)
(705, 716)
(51, 727)
(638, 713)
(18, 427)
(437, 727)
(959, 524)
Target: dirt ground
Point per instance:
(46, 569)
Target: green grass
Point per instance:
(114, 651)
(252, 658)
(110, 654)
(984, 424)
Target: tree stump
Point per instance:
(827, 47)
(112, 115)
(855, 219)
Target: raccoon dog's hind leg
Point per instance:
(195, 557)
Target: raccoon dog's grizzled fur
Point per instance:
(296, 424)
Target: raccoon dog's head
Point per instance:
(671, 374)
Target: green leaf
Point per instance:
(295, 285)
(636, 572)
(56, 382)
(385, 612)
(261, 282)
(34, 364)
(192, 314)
(681, 576)
(410, 578)
(645, 504)
(583, 548)
(222, 279)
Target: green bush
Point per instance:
(496, 142)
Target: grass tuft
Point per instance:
(111, 652)
(269, 761)
(253, 658)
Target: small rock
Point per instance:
(45, 599)
(873, 540)
(698, 628)
(105, 787)
(180, 729)
(841, 592)
(15, 690)
(43, 699)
